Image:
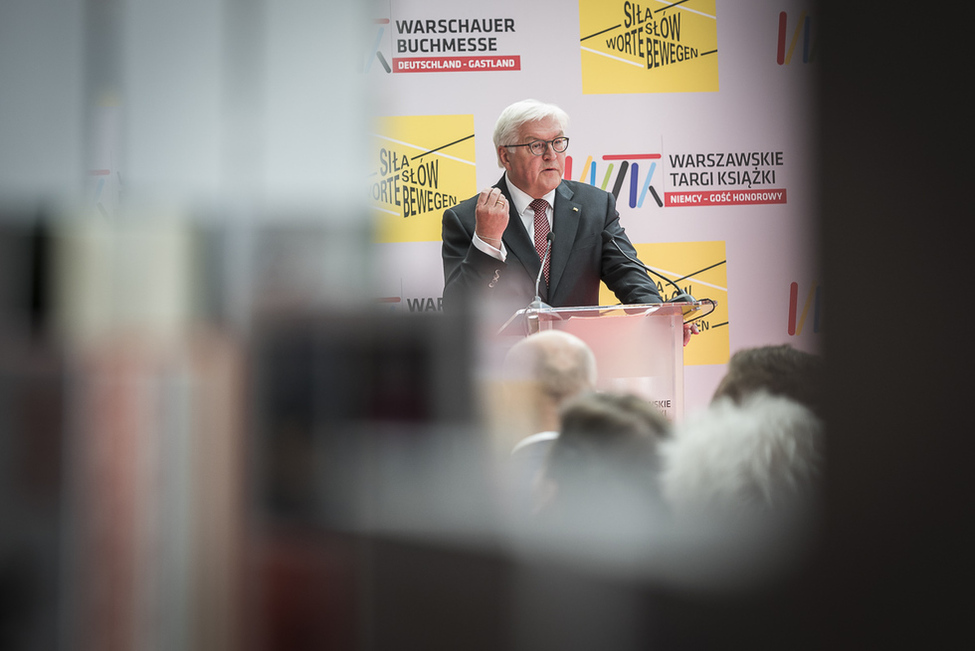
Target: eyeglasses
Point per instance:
(539, 147)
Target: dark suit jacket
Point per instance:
(579, 258)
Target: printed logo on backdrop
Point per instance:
(811, 309)
(412, 303)
(800, 37)
(422, 166)
(648, 47)
(444, 44)
(674, 180)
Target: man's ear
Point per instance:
(503, 156)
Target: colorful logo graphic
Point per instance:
(803, 30)
(443, 45)
(700, 269)
(695, 179)
(628, 164)
(423, 165)
(657, 47)
(812, 303)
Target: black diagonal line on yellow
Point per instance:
(449, 144)
(586, 38)
(700, 271)
(670, 6)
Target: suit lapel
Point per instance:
(565, 225)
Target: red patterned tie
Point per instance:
(541, 232)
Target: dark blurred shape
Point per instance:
(899, 480)
(330, 388)
(24, 281)
(31, 438)
(307, 596)
(337, 396)
(425, 596)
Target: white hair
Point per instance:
(758, 456)
(562, 363)
(521, 113)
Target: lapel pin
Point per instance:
(575, 210)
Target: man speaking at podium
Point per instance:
(495, 244)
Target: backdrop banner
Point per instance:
(697, 115)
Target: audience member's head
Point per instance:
(607, 447)
(760, 455)
(541, 372)
(778, 370)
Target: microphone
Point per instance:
(682, 296)
(537, 304)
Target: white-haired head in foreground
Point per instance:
(760, 456)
